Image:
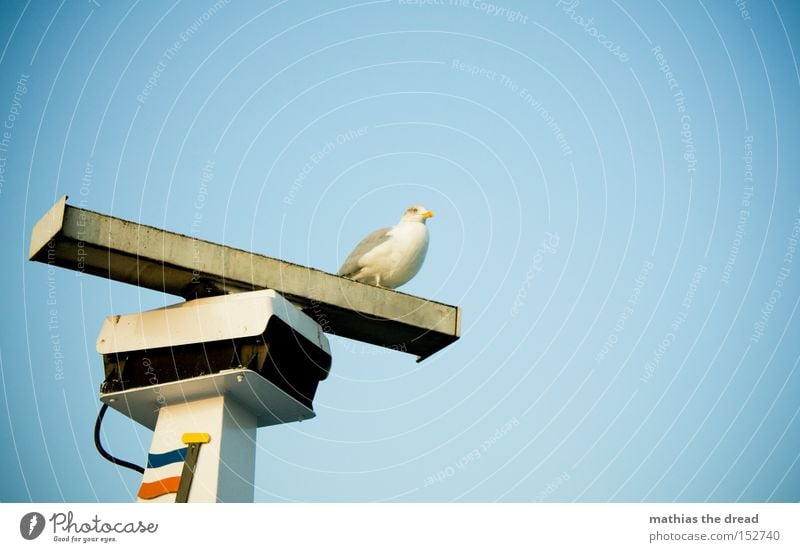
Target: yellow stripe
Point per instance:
(196, 438)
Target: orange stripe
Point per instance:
(160, 487)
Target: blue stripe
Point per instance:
(164, 458)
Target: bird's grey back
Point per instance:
(372, 240)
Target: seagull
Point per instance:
(390, 257)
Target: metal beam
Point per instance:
(149, 257)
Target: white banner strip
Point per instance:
(401, 527)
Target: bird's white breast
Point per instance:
(400, 257)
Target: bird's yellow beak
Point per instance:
(427, 214)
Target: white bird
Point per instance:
(390, 257)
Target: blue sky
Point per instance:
(617, 213)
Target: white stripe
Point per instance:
(154, 474)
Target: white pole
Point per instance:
(225, 469)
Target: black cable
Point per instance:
(102, 451)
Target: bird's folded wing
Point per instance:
(351, 265)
